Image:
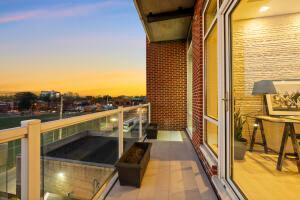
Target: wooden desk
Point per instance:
(289, 131)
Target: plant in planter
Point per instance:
(240, 143)
(151, 131)
(133, 163)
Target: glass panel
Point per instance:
(78, 159)
(145, 118)
(211, 130)
(210, 14)
(10, 170)
(212, 74)
(131, 124)
(265, 46)
(190, 89)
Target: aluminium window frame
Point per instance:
(189, 48)
(205, 35)
(225, 50)
(223, 159)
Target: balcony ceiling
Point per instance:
(165, 20)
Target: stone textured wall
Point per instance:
(167, 84)
(264, 49)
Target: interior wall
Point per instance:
(264, 49)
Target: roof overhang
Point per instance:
(165, 20)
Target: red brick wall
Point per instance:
(166, 83)
(197, 76)
(198, 89)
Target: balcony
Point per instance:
(78, 154)
(174, 172)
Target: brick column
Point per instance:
(166, 84)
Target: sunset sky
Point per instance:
(93, 47)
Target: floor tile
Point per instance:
(173, 172)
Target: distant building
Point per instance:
(42, 105)
(138, 100)
(51, 94)
(4, 107)
(122, 101)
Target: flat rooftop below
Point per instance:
(95, 149)
(174, 172)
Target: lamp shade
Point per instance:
(264, 87)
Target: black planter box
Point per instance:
(151, 131)
(132, 173)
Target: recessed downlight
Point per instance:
(264, 9)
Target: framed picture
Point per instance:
(286, 101)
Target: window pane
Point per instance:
(211, 136)
(210, 14)
(212, 74)
(265, 38)
(190, 89)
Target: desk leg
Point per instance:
(253, 136)
(295, 145)
(282, 146)
(263, 136)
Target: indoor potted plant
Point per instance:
(240, 143)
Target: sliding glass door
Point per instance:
(262, 41)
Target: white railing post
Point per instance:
(149, 113)
(31, 160)
(140, 123)
(121, 124)
(24, 168)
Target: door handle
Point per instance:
(226, 100)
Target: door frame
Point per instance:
(224, 94)
(225, 51)
(189, 50)
(225, 100)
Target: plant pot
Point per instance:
(132, 173)
(151, 131)
(240, 148)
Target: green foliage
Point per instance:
(46, 98)
(239, 122)
(25, 100)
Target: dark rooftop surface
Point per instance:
(96, 149)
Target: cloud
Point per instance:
(54, 12)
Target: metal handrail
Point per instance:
(126, 109)
(30, 133)
(57, 124)
(12, 134)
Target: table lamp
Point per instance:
(262, 88)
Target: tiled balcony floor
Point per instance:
(174, 172)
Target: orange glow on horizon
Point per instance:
(114, 83)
